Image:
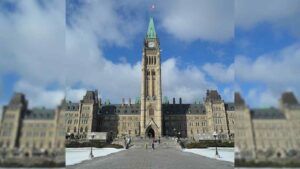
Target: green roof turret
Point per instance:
(151, 34)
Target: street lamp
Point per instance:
(175, 133)
(215, 134)
(92, 137)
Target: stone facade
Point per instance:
(148, 116)
(30, 132)
(261, 133)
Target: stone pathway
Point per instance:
(165, 156)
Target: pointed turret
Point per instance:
(151, 34)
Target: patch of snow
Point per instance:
(77, 155)
(226, 154)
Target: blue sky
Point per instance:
(267, 50)
(52, 47)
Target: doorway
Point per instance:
(150, 133)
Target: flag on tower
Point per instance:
(152, 7)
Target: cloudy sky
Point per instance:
(267, 49)
(49, 48)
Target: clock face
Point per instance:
(151, 44)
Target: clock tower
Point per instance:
(151, 107)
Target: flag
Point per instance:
(152, 7)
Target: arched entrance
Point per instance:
(150, 133)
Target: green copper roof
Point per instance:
(151, 29)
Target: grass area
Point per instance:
(277, 164)
(74, 144)
(27, 162)
(206, 144)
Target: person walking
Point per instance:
(159, 140)
(125, 143)
(153, 145)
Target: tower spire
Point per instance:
(151, 34)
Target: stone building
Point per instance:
(30, 132)
(149, 117)
(267, 133)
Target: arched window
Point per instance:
(155, 60)
(86, 129)
(151, 112)
(75, 129)
(81, 129)
(68, 130)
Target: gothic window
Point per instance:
(74, 129)
(155, 60)
(151, 112)
(86, 129)
(81, 129)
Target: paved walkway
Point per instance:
(161, 158)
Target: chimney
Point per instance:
(180, 101)
(173, 100)
(129, 101)
(123, 101)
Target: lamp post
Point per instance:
(174, 131)
(215, 134)
(92, 137)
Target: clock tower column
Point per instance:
(151, 100)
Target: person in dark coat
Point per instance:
(153, 145)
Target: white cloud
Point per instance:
(118, 80)
(277, 72)
(283, 14)
(43, 51)
(190, 20)
(219, 72)
(37, 96)
(280, 68)
(32, 41)
(228, 93)
(189, 83)
(102, 19)
(262, 98)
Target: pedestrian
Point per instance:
(129, 141)
(125, 143)
(153, 145)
